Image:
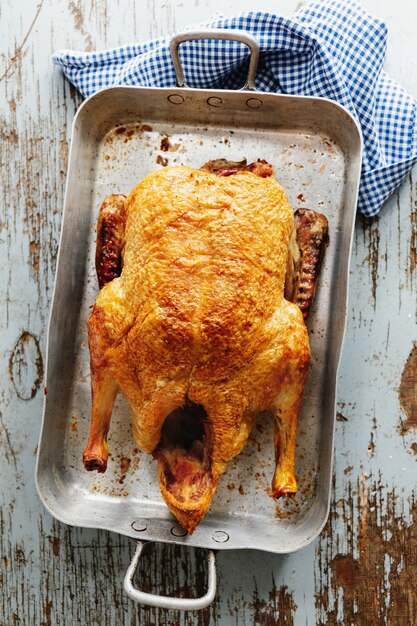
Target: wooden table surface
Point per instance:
(363, 568)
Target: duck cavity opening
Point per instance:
(184, 452)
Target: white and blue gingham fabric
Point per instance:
(332, 49)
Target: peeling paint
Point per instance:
(372, 237)
(279, 609)
(63, 155)
(26, 366)
(6, 443)
(78, 15)
(371, 581)
(413, 233)
(10, 136)
(16, 57)
(408, 391)
(55, 543)
(340, 417)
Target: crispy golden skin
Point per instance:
(198, 316)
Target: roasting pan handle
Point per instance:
(216, 33)
(165, 602)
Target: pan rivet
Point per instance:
(220, 536)
(175, 98)
(178, 531)
(139, 525)
(254, 103)
(214, 101)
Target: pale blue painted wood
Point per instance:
(82, 575)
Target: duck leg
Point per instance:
(109, 251)
(291, 371)
(104, 391)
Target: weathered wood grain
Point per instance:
(371, 580)
(362, 569)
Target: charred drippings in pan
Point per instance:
(223, 167)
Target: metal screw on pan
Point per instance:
(175, 98)
(139, 525)
(254, 103)
(213, 101)
(178, 531)
(220, 536)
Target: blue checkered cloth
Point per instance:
(332, 49)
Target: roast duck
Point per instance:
(206, 278)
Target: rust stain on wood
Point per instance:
(18, 51)
(340, 417)
(77, 13)
(55, 543)
(413, 234)
(47, 612)
(9, 135)
(372, 237)
(371, 581)
(81, 574)
(34, 254)
(63, 156)
(408, 391)
(9, 452)
(26, 366)
(279, 610)
(371, 445)
(345, 570)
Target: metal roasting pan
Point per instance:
(315, 148)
